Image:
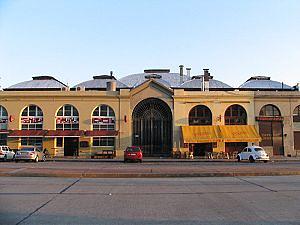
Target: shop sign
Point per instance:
(67, 120)
(31, 120)
(3, 120)
(269, 118)
(103, 120)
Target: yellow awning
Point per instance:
(200, 134)
(239, 133)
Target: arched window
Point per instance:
(200, 115)
(296, 114)
(103, 118)
(3, 118)
(269, 110)
(32, 118)
(67, 118)
(235, 115)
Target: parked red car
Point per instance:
(133, 153)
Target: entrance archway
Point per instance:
(152, 127)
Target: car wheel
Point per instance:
(36, 159)
(44, 158)
(238, 158)
(13, 158)
(251, 159)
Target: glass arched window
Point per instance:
(235, 115)
(3, 118)
(32, 118)
(67, 118)
(269, 110)
(200, 115)
(296, 114)
(103, 118)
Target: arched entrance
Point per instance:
(152, 127)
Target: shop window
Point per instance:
(32, 141)
(59, 142)
(3, 139)
(200, 115)
(235, 115)
(103, 141)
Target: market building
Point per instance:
(167, 114)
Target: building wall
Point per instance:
(124, 101)
(286, 102)
(216, 101)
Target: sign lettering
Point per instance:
(67, 120)
(32, 120)
(103, 120)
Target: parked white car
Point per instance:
(6, 153)
(30, 153)
(253, 153)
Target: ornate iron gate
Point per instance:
(152, 127)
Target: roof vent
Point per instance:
(43, 78)
(153, 76)
(259, 78)
(99, 77)
(157, 71)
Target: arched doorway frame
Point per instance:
(152, 127)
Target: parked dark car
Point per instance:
(133, 153)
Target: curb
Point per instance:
(151, 175)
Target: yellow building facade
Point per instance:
(105, 115)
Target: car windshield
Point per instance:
(27, 149)
(258, 149)
(133, 149)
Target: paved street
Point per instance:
(169, 168)
(205, 200)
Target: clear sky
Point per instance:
(73, 40)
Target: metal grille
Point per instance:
(152, 127)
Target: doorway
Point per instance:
(152, 127)
(71, 146)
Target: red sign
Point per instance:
(67, 120)
(3, 120)
(31, 120)
(103, 120)
(269, 118)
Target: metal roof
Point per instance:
(100, 82)
(197, 83)
(39, 82)
(264, 84)
(167, 79)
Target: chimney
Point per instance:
(205, 81)
(111, 73)
(181, 73)
(111, 85)
(188, 73)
